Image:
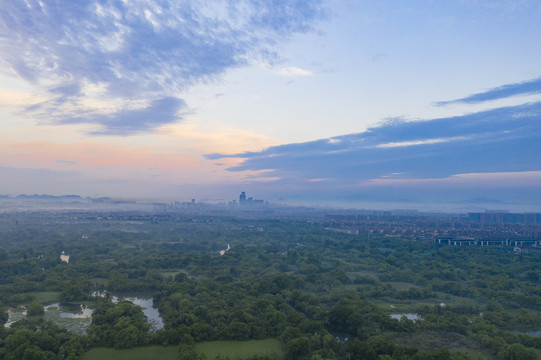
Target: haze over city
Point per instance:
(422, 104)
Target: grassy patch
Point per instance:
(169, 273)
(364, 273)
(430, 340)
(100, 282)
(46, 297)
(455, 300)
(232, 349)
(240, 349)
(139, 353)
(402, 286)
(395, 306)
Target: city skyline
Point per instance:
(426, 104)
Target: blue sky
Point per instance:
(420, 103)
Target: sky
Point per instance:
(369, 104)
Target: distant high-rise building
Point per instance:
(249, 201)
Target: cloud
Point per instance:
(524, 88)
(67, 162)
(490, 141)
(294, 71)
(135, 50)
(129, 122)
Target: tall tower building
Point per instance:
(242, 197)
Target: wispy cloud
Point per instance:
(67, 162)
(421, 142)
(134, 50)
(294, 71)
(489, 141)
(524, 88)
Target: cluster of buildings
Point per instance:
(242, 203)
(496, 217)
(482, 229)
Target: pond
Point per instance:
(147, 304)
(409, 316)
(77, 318)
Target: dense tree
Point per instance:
(40, 340)
(35, 308)
(518, 352)
(121, 325)
(360, 350)
(298, 348)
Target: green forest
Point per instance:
(240, 288)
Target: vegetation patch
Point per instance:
(46, 297)
(169, 274)
(239, 349)
(99, 282)
(139, 353)
(402, 286)
(430, 340)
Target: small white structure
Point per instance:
(222, 252)
(65, 258)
